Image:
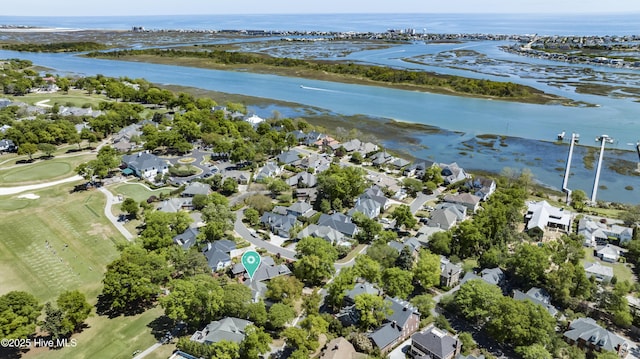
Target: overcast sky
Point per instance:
(188, 7)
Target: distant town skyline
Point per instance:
(200, 7)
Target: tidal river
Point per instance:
(525, 125)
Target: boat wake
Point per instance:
(318, 89)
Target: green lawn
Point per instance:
(137, 191)
(57, 242)
(109, 338)
(620, 270)
(63, 241)
(77, 98)
(41, 170)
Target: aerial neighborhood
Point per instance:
(364, 252)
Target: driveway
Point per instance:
(421, 199)
(244, 232)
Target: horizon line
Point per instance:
(350, 13)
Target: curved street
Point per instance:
(111, 200)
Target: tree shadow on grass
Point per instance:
(104, 307)
(11, 353)
(161, 326)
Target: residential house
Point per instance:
(195, 188)
(229, 329)
(609, 253)
(329, 234)
(254, 120)
(371, 203)
(340, 348)
(313, 137)
(146, 165)
(366, 148)
(380, 158)
(537, 296)
(403, 321)
(587, 334)
(306, 194)
(289, 157)
(360, 288)
(267, 270)
(413, 244)
(493, 276)
(481, 186)
(219, 254)
(541, 216)
(7, 146)
(434, 343)
(318, 163)
(187, 239)
(449, 272)
(417, 168)
(459, 210)
(597, 233)
(452, 173)
(442, 218)
(301, 208)
(470, 201)
(269, 170)
(398, 163)
(78, 112)
(242, 177)
(600, 272)
(351, 146)
(326, 143)
(339, 222)
(298, 135)
(4, 128)
(425, 233)
(279, 224)
(174, 205)
(302, 180)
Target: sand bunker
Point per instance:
(29, 196)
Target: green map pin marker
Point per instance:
(251, 262)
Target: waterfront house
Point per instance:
(598, 233)
(452, 173)
(481, 186)
(417, 168)
(542, 216)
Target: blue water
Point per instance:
(554, 24)
(527, 123)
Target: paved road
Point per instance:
(351, 262)
(421, 199)
(111, 200)
(31, 187)
(243, 232)
(148, 351)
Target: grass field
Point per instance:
(58, 242)
(41, 170)
(77, 98)
(620, 270)
(63, 241)
(115, 338)
(137, 191)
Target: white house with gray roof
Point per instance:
(146, 165)
(541, 216)
(599, 271)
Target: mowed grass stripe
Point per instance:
(80, 245)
